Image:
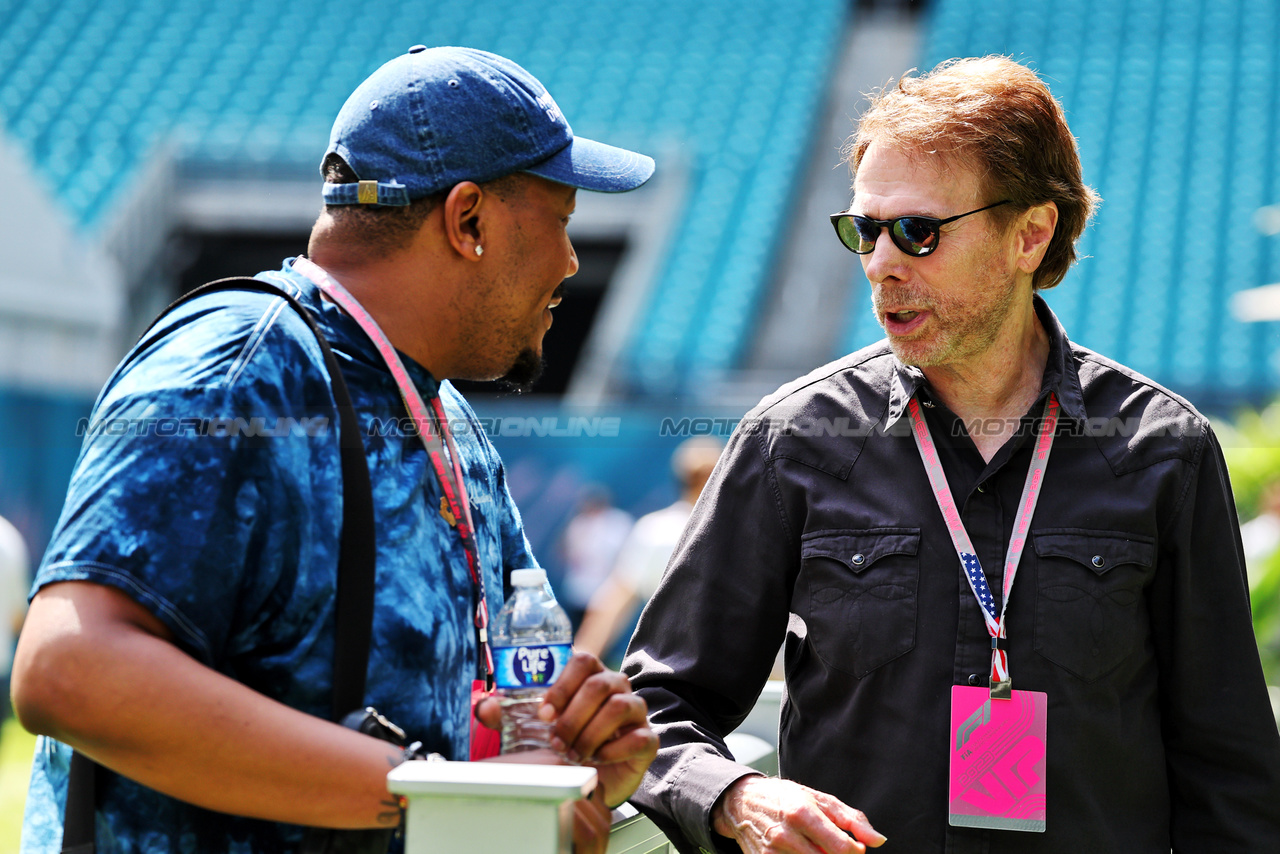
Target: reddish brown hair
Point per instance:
(998, 117)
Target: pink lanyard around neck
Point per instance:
(1001, 684)
(432, 425)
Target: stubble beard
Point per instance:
(526, 370)
(962, 328)
(529, 363)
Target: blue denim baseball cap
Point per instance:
(435, 117)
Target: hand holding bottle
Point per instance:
(590, 712)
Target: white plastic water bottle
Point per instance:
(532, 640)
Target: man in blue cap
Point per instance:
(182, 630)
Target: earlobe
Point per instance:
(1037, 232)
(463, 220)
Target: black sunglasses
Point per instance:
(914, 235)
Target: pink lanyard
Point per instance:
(1001, 684)
(432, 425)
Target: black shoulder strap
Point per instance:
(357, 563)
(77, 824)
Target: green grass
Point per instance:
(16, 748)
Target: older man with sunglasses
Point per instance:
(876, 513)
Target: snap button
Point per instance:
(974, 679)
(982, 487)
(1098, 561)
(858, 559)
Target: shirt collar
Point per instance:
(1060, 375)
(906, 381)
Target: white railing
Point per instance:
(489, 808)
(493, 808)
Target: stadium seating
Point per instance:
(706, 303)
(1176, 106)
(91, 88)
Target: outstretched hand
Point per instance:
(598, 722)
(766, 814)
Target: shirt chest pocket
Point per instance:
(859, 590)
(1090, 613)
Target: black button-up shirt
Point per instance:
(1130, 611)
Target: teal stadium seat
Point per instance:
(90, 88)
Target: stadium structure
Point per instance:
(150, 145)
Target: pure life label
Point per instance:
(539, 666)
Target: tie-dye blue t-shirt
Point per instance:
(209, 490)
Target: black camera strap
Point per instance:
(357, 564)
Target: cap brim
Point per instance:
(591, 165)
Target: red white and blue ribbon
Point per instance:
(432, 425)
(1001, 684)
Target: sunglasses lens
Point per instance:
(859, 233)
(915, 235)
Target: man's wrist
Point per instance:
(417, 751)
(724, 810)
(414, 752)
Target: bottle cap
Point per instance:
(528, 577)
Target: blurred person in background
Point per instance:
(876, 512)
(182, 632)
(1261, 539)
(589, 546)
(15, 581)
(1260, 536)
(646, 550)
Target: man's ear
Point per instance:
(1035, 231)
(464, 223)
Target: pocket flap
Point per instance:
(1096, 550)
(859, 550)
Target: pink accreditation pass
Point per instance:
(998, 759)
